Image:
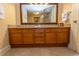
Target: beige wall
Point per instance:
(68, 7)
(65, 8)
(75, 27)
(74, 35)
(60, 12)
(10, 19)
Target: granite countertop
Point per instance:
(37, 26)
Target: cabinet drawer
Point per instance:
(39, 40)
(62, 29)
(27, 30)
(14, 30)
(50, 30)
(39, 30)
(39, 34)
(27, 34)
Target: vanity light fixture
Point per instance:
(38, 3)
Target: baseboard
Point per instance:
(4, 50)
(39, 45)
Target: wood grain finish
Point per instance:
(51, 35)
(39, 36)
(39, 40)
(62, 37)
(51, 38)
(49, 30)
(27, 35)
(15, 36)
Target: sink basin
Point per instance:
(37, 26)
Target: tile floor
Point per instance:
(41, 51)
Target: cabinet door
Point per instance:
(51, 37)
(15, 36)
(28, 36)
(39, 40)
(62, 37)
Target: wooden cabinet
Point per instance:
(39, 36)
(63, 35)
(51, 38)
(51, 35)
(15, 36)
(27, 36)
(39, 40)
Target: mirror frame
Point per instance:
(38, 23)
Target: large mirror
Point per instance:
(35, 13)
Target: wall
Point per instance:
(10, 19)
(65, 8)
(75, 27)
(74, 35)
(68, 7)
(60, 12)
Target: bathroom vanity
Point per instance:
(39, 27)
(39, 36)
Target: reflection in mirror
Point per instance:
(38, 13)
